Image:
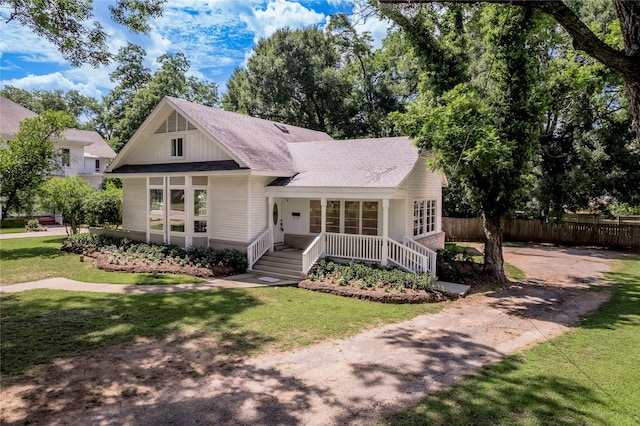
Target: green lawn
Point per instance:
(589, 376)
(39, 326)
(36, 258)
(12, 230)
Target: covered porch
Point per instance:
(350, 226)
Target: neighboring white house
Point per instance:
(200, 176)
(85, 153)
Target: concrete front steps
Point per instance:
(280, 263)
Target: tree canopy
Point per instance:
(71, 25)
(28, 159)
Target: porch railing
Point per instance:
(356, 247)
(259, 246)
(314, 252)
(408, 258)
(425, 251)
(411, 255)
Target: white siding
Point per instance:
(423, 184)
(157, 149)
(134, 205)
(259, 206)
(229, 209)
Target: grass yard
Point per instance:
(39, 326)
(36, 258)
(589, 376)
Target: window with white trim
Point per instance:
(348, 217)
(424, 217)
(177, 147)
(200, 204)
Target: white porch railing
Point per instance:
(412, 256)
(259, 246)
(314, 252)
(407, 258)
(425, 251)
(356, 247)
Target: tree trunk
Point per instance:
(629, 16)
(493, 260)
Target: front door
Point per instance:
(276, 217)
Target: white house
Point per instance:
(200, 176)
(85, 153)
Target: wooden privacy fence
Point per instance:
(525, 230)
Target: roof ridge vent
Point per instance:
(281, 127)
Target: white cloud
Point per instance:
(278, 14)
(53, 81)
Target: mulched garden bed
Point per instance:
(377, 295)
(101, 261)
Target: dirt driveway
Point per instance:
(354, 381)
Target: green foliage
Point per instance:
(67, 196)
(29, 158)
(370, 277)
(71, 26)
(330, 81)
(33, 225)
(619, 208)
(157, 253)
(104, 208)
(13, 222)
(454, 264)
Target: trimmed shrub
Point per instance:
(370, 276)
(13, 222)
(204, 257)
(455, 264)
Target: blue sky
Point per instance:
(216, 36)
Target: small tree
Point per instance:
(29, 158)
(104, 208)
(66, 196)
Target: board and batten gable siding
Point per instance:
(229, 218)
(258, 205)
(134, 204)
(156, 149)
(423, 184)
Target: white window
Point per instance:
(156, 209)
(424, 217)
(348, 217)
(177, 147)
(97, 165)
(200, 204)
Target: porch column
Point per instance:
(323, 204)
(385, 231)
(270, 221)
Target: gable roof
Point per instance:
(363, 163)
(11, 114)
(259, 144)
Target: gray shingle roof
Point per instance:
(258, 143)
(98, 147)
(373, 163)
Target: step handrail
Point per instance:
(425, 251)
(313, 252)
(259, 246)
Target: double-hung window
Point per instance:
(424, 217)
(65, 157)
(177, 147)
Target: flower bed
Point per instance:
(124, 255)
(386, 285)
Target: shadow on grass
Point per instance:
(40, 326)
(496, 397)
(46, 249)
